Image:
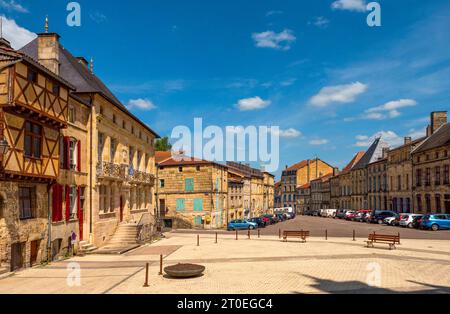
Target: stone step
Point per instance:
(3, 270)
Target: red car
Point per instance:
(265, 220)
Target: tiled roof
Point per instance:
(439, 138)
(374, 153)
(299, 165)
(304, 186)
(188, 161)
(162, 156)
(79, 75)
(353, 162)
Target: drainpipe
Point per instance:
(90, 165)
(49, 224)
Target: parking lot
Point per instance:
(338, 228)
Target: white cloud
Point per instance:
(320, 22)
(274, 12)
(389, 137)
(338, 94)
(271, 39)
(142, 104)
(18, 36)
(253, 103)
(288, 82)
(11, 5)
(389, 109)
(350, 5)
(318, 142)
(289, 133)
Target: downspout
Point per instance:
(49, 223)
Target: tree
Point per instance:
(163, 144)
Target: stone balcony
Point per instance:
(112, 171)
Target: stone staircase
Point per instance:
(124, 240)
(86, 247)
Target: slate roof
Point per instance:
(439, 138)
(374, 153)
(78, 74)
(353, 162)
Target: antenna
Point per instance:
(46, 24)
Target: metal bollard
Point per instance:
(259, 233)
(198, 240)
(279, 233)
(216, 237)
(326, 235)
(236, 235)
(249, 234)
(146, 275)
(160, 265)
(354, 235)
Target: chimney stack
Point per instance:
(438, 119)
(48, 50)
(83, 61)
(385, 152)
(408, 140)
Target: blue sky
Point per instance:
(314, 68)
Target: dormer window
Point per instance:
(71, 114)
(55, 89)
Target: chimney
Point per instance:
(429, 133)
(408, 140)
(48, 49)
(335, 171)
(438, 119)
(385, 152)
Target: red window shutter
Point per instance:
(55, 202)
(79, 202)
(79, 156)
(67, 203)
(66, 152)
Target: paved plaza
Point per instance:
(256, 265)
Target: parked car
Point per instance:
(340, 213)
(406, 220)
(417, 222)
(315, 212)
(241, 224)
(436, 222)
(361, 214)
(290, 215)
(391, 221)
(266, 220)
(281, 217)
(331, 213)
(349, 215)
(258, 221)
(380, 216)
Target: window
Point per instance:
(71, 114)
(101, 110)
(114, 118)
(55, 89)
(198, 204)
(161, 183)
(112, 152)
(73, 154)
(32, 76)
(419, 177)
(438, 203)
(180, 169)
(428, 177)
(33, 139)
(73, 198)
(189, 185)
(100, 147)
(26, 202)
(139, 159)
(198, 168)
(428, 202)
(419, 203)
(124, 124)
(446, 174)
(180, 204)
(437, 178)
(399, 183)
(103, 198)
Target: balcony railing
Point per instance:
(123, 172)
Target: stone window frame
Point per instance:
(31, 197)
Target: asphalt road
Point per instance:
(340, 229)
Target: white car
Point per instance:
(390, 221)
(407, 220)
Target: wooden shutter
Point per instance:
(55, 202)
(67, 203)
(66, 152)
(79, 156)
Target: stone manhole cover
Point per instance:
(184, 270)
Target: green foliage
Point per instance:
(163, 144)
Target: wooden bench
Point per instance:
(392, 240)
(296, 234)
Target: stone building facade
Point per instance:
(399, 176)
(116, 182)
(298, 175)
(431, 168)
(33, 111)
(193, 193)
(377, 186)
(303, 205)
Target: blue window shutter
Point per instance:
(180, 204)
(189, 185)
(198, 204)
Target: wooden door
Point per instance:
(34, 252)
(16, 256)
(162, 207)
